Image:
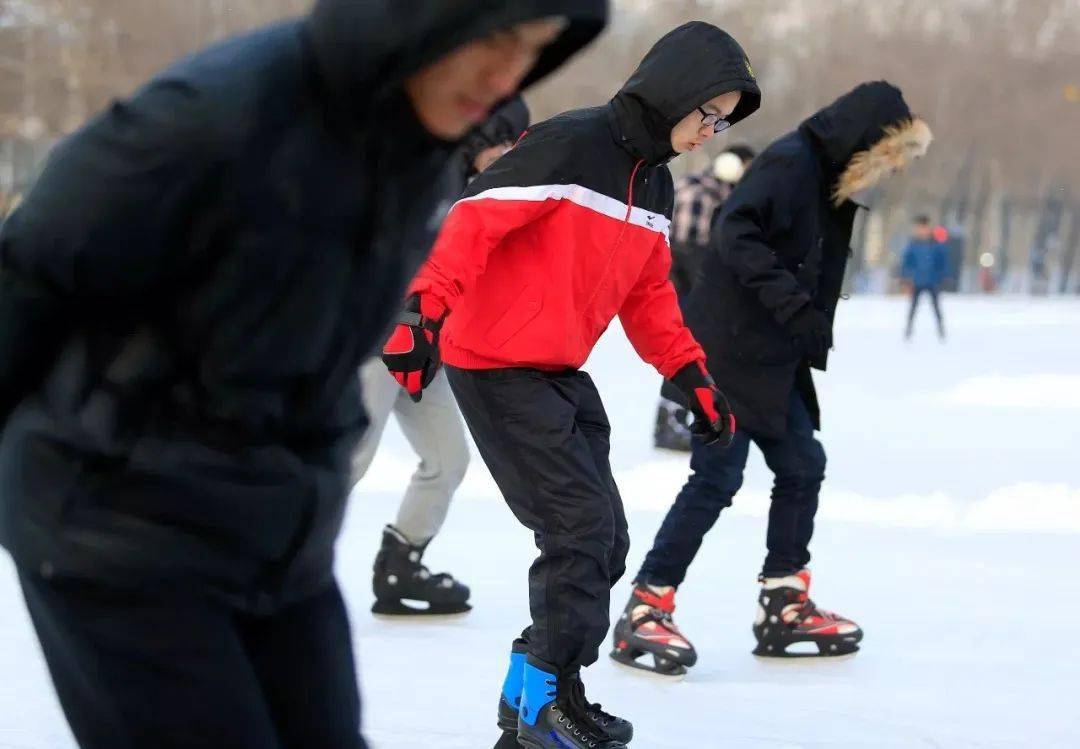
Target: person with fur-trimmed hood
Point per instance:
(763, 308)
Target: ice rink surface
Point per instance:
(949, 529)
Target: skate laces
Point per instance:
(578, 715)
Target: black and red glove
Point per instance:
(412, 351)
(714, 421)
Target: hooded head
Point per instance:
(365, 51)
(866, 135)
(505, 126)
(688, 67)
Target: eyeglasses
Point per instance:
(715, 121)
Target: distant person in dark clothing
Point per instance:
(698, 200)
(924, 269)
(185, 297)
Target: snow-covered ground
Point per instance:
(950, 529)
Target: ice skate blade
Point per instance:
(675, 674)
(507, 741)
(399, 610)
(841, 654)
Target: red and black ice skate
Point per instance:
(647, 628)
(786, 616)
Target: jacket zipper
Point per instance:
(622, 233)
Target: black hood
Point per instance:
(689, 66)
(506, 124)
(366, 48)
(855, 122)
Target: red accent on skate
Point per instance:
(829, 629)
(665, 602)
(667, 637)
(414, 383)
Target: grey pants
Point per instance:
(434, 429)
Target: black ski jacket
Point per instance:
(187, 292)
(781, 244)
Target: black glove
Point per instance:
(412, 352)
(810, 332)
(714, 421)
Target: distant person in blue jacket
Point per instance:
(925, 268)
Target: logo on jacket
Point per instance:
(649, 221)
(750, 69)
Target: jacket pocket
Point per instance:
(524, 309)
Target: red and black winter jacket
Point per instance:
(570, 228)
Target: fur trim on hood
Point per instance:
(900, 145)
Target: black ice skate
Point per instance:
(616, 728)
(404, 587)
(647, 628)
(555, 715)
(786, 616)
(672, 430)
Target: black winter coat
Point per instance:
(781, 244)
(187, 292)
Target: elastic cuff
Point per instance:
(432, 308)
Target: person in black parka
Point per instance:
(185, 297)
(763, 308)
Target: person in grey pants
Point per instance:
(403, 585)
(436, 433)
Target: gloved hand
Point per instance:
(810, 331)
(412, 352)
(714, 421)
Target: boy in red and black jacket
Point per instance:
(567, 230)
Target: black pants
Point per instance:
(545, 439)
(172, 669)
(934, 302)
(798, 462)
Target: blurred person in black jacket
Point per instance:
(185, 297)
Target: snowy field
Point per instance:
(949, 529)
